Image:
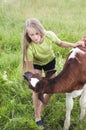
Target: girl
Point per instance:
(38, 55)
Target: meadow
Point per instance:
(67, 18)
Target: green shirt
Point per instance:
(42, 54)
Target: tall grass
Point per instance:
(67, 18)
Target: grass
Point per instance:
(67, 18)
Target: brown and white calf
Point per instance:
(72, 77)
(71, 80)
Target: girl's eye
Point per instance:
(37, 33)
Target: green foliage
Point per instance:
(68, 20)
(15, 105)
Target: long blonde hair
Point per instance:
(34, 23)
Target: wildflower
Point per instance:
(5, 75)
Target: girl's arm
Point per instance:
(30, 66)
(67, 44)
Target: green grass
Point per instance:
(67, 18)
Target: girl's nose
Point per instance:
(35, 37)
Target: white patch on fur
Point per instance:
(74, 51)
(75, 93)
(34, 81)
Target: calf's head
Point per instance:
(38, 83)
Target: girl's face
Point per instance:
(34, 35)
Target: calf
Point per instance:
(71, 80)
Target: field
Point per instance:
(67, 18)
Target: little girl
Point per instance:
(38, 56)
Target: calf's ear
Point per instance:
(50, 73)
(27, 75)
(41, 98)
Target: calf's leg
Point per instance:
(69, 107)
(83, 104)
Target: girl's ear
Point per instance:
(28, 38)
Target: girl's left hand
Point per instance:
(82, 42)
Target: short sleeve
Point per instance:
(53, 37)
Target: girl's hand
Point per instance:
(82, 43)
